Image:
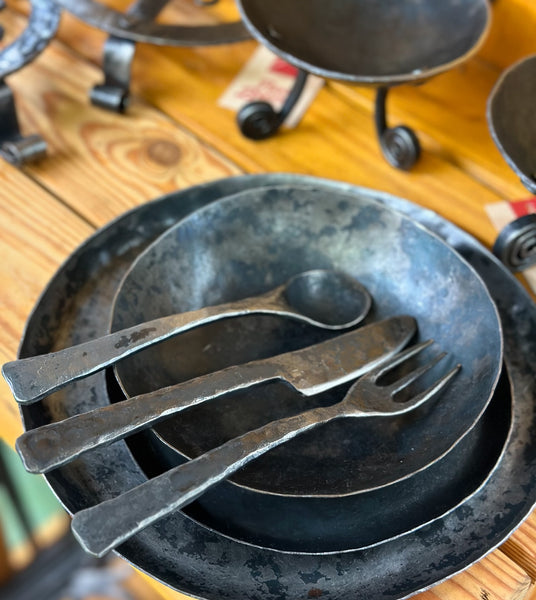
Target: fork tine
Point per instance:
(397, 359)
(433, 390)
(410, 377)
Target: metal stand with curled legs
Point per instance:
(343, 45)
(42, 25)
(138, 24)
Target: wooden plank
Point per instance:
(37, 233)
(521, 546)
(101, 163)
(512, 32)
(160, 591)
(531, 594)
(451, 121)
(442, 118)
(450, 111)
(495, 577)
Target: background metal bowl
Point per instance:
(511, 119)
(380, 42)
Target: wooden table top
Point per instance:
(175, 135)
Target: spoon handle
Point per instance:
(53, 445)
(129, 513)
(31, 379)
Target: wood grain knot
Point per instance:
(164, 153)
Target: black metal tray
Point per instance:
(197, 561)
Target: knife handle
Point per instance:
(129, 513)
(56, 444)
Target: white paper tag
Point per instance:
(267, 77)
(502, 213)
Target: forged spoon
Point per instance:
(108, 524)
(324, 298)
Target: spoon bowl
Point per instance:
(330, 299)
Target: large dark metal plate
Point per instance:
(198, 562)
(246, 244)
(383, 42)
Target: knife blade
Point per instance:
(310, 371)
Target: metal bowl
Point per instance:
(138, 24)
(248, 243)
(383, 42)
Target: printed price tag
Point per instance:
(267, 77)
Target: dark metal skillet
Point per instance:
(199, 562)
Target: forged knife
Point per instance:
(310, 371)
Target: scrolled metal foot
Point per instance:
(516, 245)
(110, 97)
(114, 93)
(258, 120)
(400, 145)
(14, 147)
(24, 150)
(42, 25)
